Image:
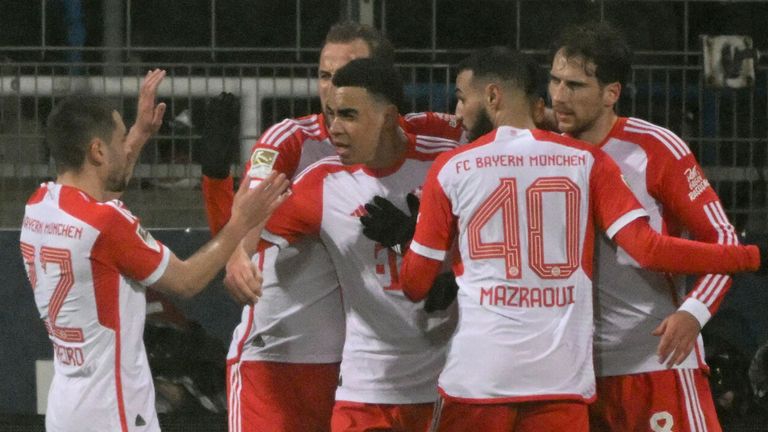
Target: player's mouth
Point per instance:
(563, 115)
(341, 149)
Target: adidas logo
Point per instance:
(140, 420)
(258, 341)
(359, 211)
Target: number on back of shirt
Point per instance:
(57, 265)
(504, 200)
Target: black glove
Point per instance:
(387, 224)
(221, 132)
(442, 293)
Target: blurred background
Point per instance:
(712, 91)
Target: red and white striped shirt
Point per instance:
(300, 319)
(393, 350)
(669, 183)
(524, 205)
(88, 263)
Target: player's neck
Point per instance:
(392, 149)
(600, 129)
(516, 118)
(86, 182)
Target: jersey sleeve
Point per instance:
(127, 246)
(301, 214)
(657, 252)
(612, 202)
(434, 236)
(278, 149)
(686, 195)
(435, 124)
(218, 196)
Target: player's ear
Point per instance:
(392, 115)
(492, 96)
(96, 151)
(611, 93)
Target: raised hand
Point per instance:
(149, 115)
(253, 206)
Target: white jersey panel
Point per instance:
(632, 302)
(97, 369)
(525, 327)
(299, 318)
(394, 350)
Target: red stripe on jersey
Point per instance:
(122, 247)
(28, 254)
(330, 160)
(106, 287)
(671, 141)
(280, 132)
(119, 381)
(427, 148)
(38, 195)
(433, 124)
(276, 130)
(711, 287)
(700, 358)
(423, 146)
(106, 290)
(725, 232)
(249, 324)
(298, 132)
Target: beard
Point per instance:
(481, 127)
(117, 182)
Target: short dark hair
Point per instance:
(379, 78)
(510, 67)
(72, 124)
(349, 31)
(601, 44)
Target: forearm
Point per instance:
(417, 275)
(669, 254)
(250, 243)
(189, 277)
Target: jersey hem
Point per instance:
(517, 399)
(277, 358)
(274, 239)
(385, 397)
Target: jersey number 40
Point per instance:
(504, 199)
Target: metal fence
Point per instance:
(725, 128)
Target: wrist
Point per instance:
(697, 309)
(237, 224)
